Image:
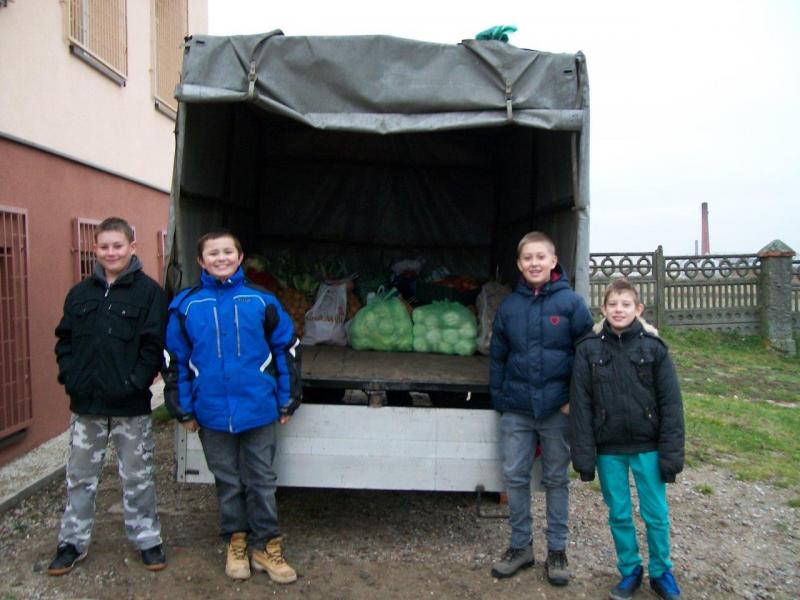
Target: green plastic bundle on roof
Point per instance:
(498, 32)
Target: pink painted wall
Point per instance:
(55, 190)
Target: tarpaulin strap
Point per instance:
(508, 100)
(251, 77)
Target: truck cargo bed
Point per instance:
(341, 367)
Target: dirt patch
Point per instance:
(737, 540)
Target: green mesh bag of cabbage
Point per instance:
(384, 325)
(445, 328)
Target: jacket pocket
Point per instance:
(122, 320)
(84, 315)
(644, 364)
(602, 368)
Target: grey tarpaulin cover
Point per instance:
(337, 144)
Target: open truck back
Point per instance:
(376, 149)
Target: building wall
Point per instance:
(56, 100)
(55, 191)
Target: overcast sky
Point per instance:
(690, 102)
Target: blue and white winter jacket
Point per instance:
(231, 359)
(533, 346)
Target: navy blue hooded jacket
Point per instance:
(232, 361)
(533, 346)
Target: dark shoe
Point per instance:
(154, 559)
(556, 567)
(665, 586)
(627, 585)
(513, 560)
(66, 557)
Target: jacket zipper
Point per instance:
(219, 342)
(236, 321)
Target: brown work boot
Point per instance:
(237, 565)
(271, 560)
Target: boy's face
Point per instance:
(220, 257)
(620, 310)
(113, 252)
(536, 261)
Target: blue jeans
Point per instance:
(612, 470)
(245, 481)
(519, 436)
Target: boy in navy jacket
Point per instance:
(532, 352)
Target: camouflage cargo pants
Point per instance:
(133, 440)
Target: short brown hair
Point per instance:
(115, 224)
(536, 236)
(619, 286)
(215, 235)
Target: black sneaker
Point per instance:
(66, 557)
(513, 560)
(154, 559)
(628, 585)
(556, 567)
(665, 586)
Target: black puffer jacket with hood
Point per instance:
(625, 399)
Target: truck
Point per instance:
(376, 149)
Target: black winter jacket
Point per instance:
(625, 399)
(533, 345)
(110, 342)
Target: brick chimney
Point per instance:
(705, 247)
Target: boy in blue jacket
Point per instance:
(532, 352)
(232, 372)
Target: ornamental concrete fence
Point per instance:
(754, 294)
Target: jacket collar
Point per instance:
(212, 282)
(558, 280)
(124, 278)
(639, 325)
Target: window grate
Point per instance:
(15, 356)
(99, 28)
(170, 28)
(82, 242)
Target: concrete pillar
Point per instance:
(775, 296)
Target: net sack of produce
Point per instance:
(384, 325)
(444, 328)
(491, 295)
(324, 323)
(297, 305)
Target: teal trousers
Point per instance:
(614, 481)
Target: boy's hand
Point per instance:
(191, 426)
(565, 408)
(285, 419)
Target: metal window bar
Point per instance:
(171, 26)
(82, 241)
(15, 357)
(161, 244)
(99, 28)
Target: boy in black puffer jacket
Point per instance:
(532, 349)
(627, 415)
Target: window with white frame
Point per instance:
(98, 34)
(170, 27)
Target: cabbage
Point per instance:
(444, 327)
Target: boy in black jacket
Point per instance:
(627, 415)
(109, 349)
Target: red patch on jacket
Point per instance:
(555, 319)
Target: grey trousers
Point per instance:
(520, 434)
(245, 481)
(133, 440)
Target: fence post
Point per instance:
(661, 288)
(775, 296)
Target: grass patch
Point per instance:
(793, 503)
(160, 415)
(704, 488)
(734, 366)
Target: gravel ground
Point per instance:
(741, 541)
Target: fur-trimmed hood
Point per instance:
(648, 328)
